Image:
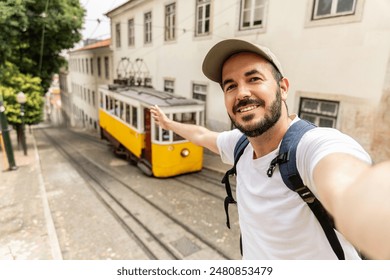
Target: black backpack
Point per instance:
(290, 175)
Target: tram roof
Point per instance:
(151, 96)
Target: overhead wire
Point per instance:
(98, 20)
(43, 37)
(181, 29)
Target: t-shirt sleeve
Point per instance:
(226, 142)
(320, 142)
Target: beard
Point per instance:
(270, 119)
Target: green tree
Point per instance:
(35, 32)
(13, 24)
(12, 82)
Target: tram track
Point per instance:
(102, 181)
(200, 175)
(97, 187)
(217, 185)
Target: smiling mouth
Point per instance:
(246, 109)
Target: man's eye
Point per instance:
(229, 87)
(254, 79)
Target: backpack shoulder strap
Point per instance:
(238, 151)
(292, 179)
(240, 147)
(288, 151)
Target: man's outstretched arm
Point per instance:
(198, 135)
(357, 195)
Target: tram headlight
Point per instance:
(185, 152)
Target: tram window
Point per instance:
(107, 104)
(177, 117)
(189, 118)
(160, 134)
(165, 135)
(115, 110)
(157, 132)
(127, 118)
(177, 137)
(111, 107)
(121, 113)
(134, 116)
(201, 118)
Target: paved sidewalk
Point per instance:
(213, 162)
(27, 230)
(26, 226)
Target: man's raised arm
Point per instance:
(357, 195)
(198, 135)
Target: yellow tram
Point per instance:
(125, 120)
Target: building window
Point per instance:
(202, 17)
(170, 16)
(86, 65)
(252, 14)
(130, 30)
(148, 27)
(93, 98)
(199, 92)
(331, 12)
(320, 112)
(106, 68)
(118, 35)
(169, 86)
(99, 67)
(91, 66)
(333, 8)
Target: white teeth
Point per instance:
(248, 109)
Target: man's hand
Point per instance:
(159, 117)
(196, 134)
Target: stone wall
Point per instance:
(357, 117)
(380, 145)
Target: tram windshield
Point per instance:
(162, 135)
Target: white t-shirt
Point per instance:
(275, 222)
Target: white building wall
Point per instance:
(84, 85)
(340, 59)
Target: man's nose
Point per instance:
(243, 92)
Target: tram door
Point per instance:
(148, 135)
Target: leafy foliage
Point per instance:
(13, 82)
(35, 32)
(13, 22)
(33, 35)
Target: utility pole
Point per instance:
(6, 139)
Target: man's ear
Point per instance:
(284, 86)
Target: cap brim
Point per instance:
(216, 57)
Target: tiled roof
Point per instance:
(100, 44)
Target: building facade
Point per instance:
(88, 67)
(336, 54)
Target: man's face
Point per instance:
(253, 98)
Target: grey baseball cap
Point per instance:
(216, 57)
